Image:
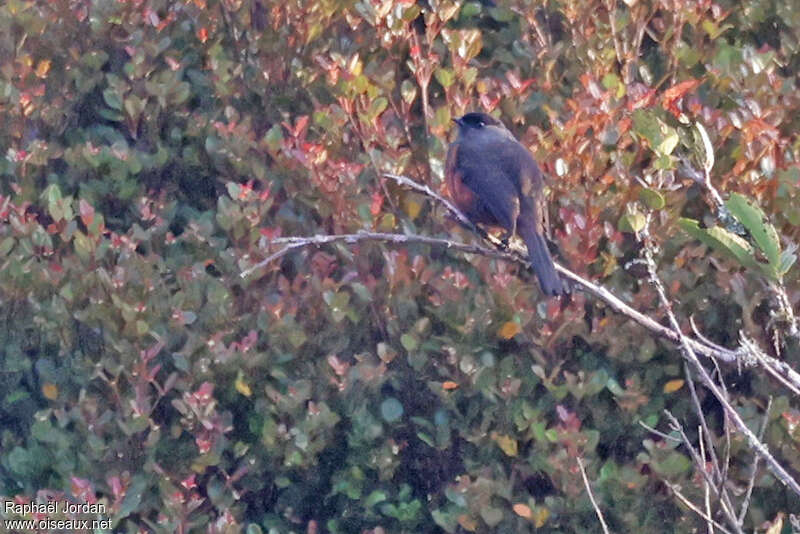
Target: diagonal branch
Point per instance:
(287, 244)
(777, 469)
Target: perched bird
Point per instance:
(494, 180)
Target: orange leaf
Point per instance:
(50, 391)
(509, 330)
(673, 385)
(449, 385)
(678, 90)
(467, 523)
(42, 68)
(522, 510)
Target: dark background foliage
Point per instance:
(152, 148)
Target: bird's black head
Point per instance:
(476, 121)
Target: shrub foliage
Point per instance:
(152, 150)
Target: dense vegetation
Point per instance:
(154, 151)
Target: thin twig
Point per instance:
(290, 243)
(781, 371)
(752, 481)
(611, 7)
(708, 164)
(699, 461)
(706, 488)
(692, 507)
(591, 496)
(408, 182)
(660, 434)
(720, 471)
(777, 469)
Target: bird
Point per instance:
(493, 179)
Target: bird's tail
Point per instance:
(541, 261)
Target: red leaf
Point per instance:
(87, 212)
(204, 392)
(270, 233)
(675, 93)
(678, 90)
(300, 125)
(377, 203)
(644, 101)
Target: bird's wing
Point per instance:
(493, 182)
(530, 184)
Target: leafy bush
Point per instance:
(154, 150)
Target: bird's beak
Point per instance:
(458, 121)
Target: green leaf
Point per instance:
(645, 123)
(133, 496)
(752, 217)
(470, 9)
(669, 141)
(297, 337)
(274, 138)
(52, 194)
(662, 138)
(83, 246)
(234, 190)
(675, 464)
(409, 342)
(445, 77)
(6, 246)
(391, 410)
(722, 241)
(111, 115)
(788, 257)
(442, 117)
(632, 222)
(134, 106)
(112, 99)
(427, 439)
(410, 13)
(19, 461)
(374, 498)
(613, 83)
(408, 91)
(377, 107)
(491, 516)
(652, 198)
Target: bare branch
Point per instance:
(777, 469)
(752, 481)
(615, 303)
(699, 461)
(598, 291)
(706, 488)
(781, 371)
(290, 243)
(694, 508)
(591, 496)
(660, 434)
(408, 182)
(708, 164)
